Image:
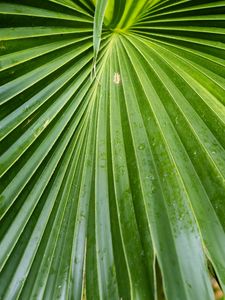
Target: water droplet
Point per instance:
(141, 147)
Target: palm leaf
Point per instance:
(112, 185)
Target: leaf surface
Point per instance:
(111, 182)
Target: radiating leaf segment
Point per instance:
(112, 186)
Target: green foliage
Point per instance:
(112, 185)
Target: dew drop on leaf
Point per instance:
(141, 147)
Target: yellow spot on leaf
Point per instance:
(116, 78)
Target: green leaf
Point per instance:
(112, 186)
(98, 21)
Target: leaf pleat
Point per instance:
(112, 132)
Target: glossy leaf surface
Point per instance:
(110, 182)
